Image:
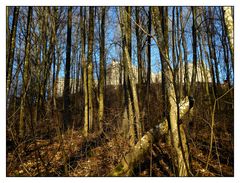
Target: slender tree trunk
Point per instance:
(139, 49)
(54, 81)
(148, 83)
(26, 76)
(194, 47)
(211, 56)
(90, 67)
(44, 58)
(161, 26)
(102, 64)
(84, 64)
(213, 44)
(11, 47)
(149, 48)
(180, 73)
(66, 92)
(174, 57)
(185, 52)
(131, 77)
(125, 14)
(7, 32)
(205, 80)
(173, 43)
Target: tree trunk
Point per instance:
(90, 67)
(66, 93)
(213, 44)
(149, 59)
(85, 86)
(177, 139)
(55, 74)
(211, 55)
(11, 47)
(139, 50)
(180, 73)
(206, 79)
(185, 52)
(173, 46)
(102, 64)
(229, 24)
(127, 51)
(26, 76)
(194, 47)
(225, 49)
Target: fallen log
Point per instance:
(142, 148)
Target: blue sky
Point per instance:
(113, 34)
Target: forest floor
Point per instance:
(47, 153)
(98, 155)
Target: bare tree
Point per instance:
(90, 67)
(11, 49)
(102, 77)
(185, 53)
(26, 76)
(125, 14)
(194, 47)
(66, 93)
(177, 139)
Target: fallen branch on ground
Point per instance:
(125, 167)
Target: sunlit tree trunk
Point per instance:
(177, 139)
(225, 48)
(26, 76)
(173, 45)
(229, 24)
(125, 14)
(180, 73)
(84, 64)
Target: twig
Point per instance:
(220, 168)
(13, 114)
(224, 94)
(212, 125)
(212, 133)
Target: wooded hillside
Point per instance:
(120, 91)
